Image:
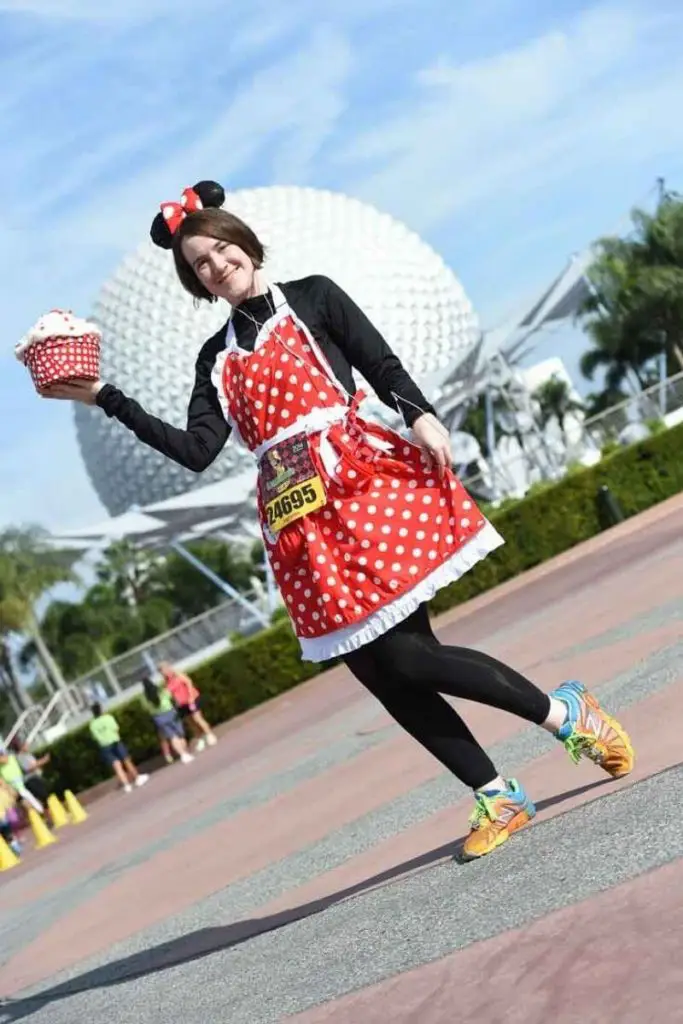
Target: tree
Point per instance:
(188, 591)
(137, 597)
(635, 309)
(657, 252)
(100, 626)
(128, 571)
(615, 320)
(475, 422)
(29, 568)
(556, 401)
(12, 696)
(597, 402)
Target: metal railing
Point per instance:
(631, 420)
(25, 722)
(55, 714)
(648, 407)
(192, 637)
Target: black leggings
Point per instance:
(407, 669)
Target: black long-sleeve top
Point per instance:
(346, 336)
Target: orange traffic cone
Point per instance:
(59, 816)
(8, 858)
(76, 812)
(41, 833)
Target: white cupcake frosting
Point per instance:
(58, 323)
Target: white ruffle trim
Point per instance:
(350, 638)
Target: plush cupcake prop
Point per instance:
(60, 348)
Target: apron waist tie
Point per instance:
(357, 434)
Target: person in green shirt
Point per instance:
(11, 773)
(104, 729)
(157, 700)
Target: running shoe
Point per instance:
(590, 732)
(497, 814)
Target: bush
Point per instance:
(248, 674)
(535, 529)
(551, 521)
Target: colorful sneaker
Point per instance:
(496, 816)
(590, 732)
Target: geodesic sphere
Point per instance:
(152, 331)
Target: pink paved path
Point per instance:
(616, 957)
(594, 613)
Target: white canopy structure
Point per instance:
(148, 531)
(229, 498)
(129, 525)
(487, 364)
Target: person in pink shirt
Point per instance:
(187, 699)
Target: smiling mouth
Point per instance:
(226, 277)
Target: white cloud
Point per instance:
(490, 149)
(558, 104)
(275, 119)
(82, 217)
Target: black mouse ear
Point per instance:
(160, 232)
(211, 193)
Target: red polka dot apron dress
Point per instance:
(358, 525)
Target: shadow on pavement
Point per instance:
(207, 941)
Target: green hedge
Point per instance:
(248, 674)
(535, 529)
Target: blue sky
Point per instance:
(509, 133)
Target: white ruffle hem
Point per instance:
(350, 638)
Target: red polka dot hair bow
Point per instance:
(175, 213)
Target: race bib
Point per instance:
(289, 483)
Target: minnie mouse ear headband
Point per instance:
(203, 195)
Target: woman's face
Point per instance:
(224, 269)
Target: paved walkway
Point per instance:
(304, 869)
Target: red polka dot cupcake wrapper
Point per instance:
(59, 360)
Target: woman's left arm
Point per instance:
(369, 353)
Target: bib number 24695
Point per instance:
(295, 502)
(290, 485)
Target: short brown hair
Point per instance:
(213, 223)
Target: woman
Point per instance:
(158, 701)
(9, 819)
(106, 732)
(362, 527)
(32, 769)
(12, 774)
(187, 699)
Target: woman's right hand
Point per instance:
(85, 391)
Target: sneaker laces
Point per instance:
(580, 745)
(484, 808)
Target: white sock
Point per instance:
(496, 785)
(557, 715)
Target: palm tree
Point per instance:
(556, 400)
(9, 684)
(28, 569)
(635, 309)
(657, 250)
(597, 402)
(616, 321)
(128, 570)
